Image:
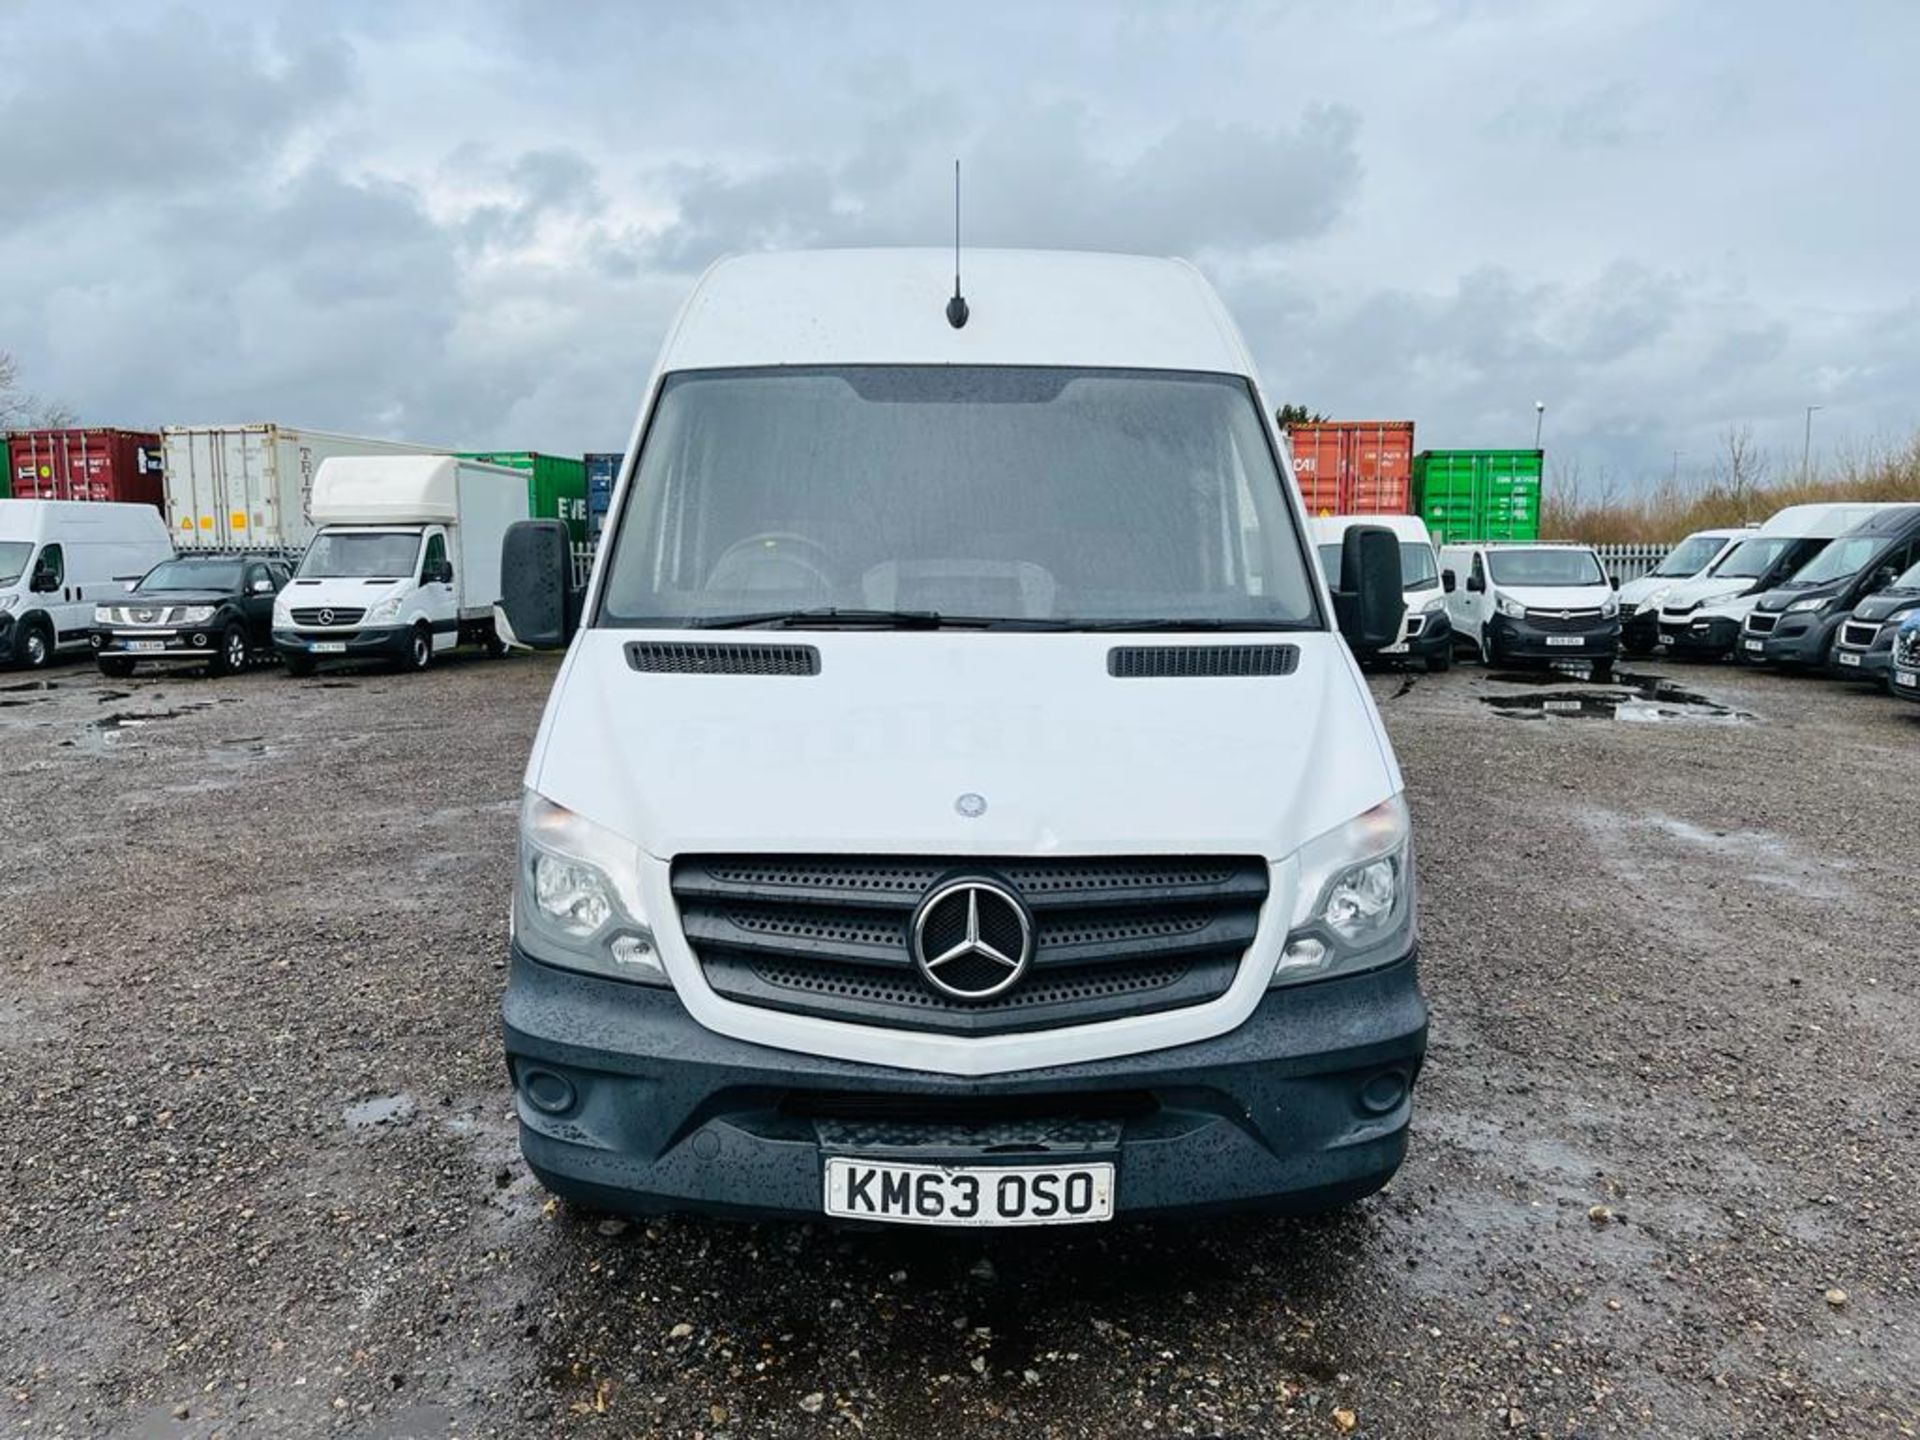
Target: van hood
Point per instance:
(340, 590)
(1886, 604)
(1702, 589)
(1781, 598)
(1557, 597)
(173, 597)
(873, 753)
(1648, 589)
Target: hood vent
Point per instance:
(1194, 662)
(659, 657)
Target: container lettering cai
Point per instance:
(1478, 494)
(1353, 467)
(252, 485)
(556, 485)
(91, 463)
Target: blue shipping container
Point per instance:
(602, 470)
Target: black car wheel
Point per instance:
(115, 667)
(36, 645)
(1439, 660)
(420, 648)
(231, 657)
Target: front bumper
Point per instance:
(1904, 681)
(1431, 633)
(1522, 640)
(198, 643)
(1699, 637)
(627, 1103)
(380, 642)
(8, 633)
(1803, 639)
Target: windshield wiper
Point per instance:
(834, 616)
(1169, 623)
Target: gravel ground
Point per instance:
(258, 1174)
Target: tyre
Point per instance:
(35, 646)
(231, 656)
(1489, 652)
(1440, 660)
(114, 667)
(419, 649)
(496, 647)
(1602, 673)
(299, 666)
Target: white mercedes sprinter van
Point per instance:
(957, 805)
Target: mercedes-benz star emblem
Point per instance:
(972, 939)
(326, 617)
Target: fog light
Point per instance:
(1383, 1093)
(636, 952)
(99, 640)
(1305, 956)
(548, 1092)
(200, 641)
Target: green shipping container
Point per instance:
(556, 485)
(1478, 494)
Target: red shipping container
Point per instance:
(89, 464)
(1354, 467)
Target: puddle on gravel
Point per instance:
(20, 685)
(1639, 699)
(109, 725)
(380, 1111)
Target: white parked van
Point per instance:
(405, 565)
(957, 805)
(1701, 618)
(1641, 597)
(1519, 603)
(1425, 632)
(60, 558)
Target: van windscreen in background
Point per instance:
(14, 555)
(360, 554)
(1417, 568)
(1050, 498)
(1751, 559)
(1544, 567)
(1689, 557)
(1844, 557)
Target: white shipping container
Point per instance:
(252, 485)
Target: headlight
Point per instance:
(1800, 606)
(388, 609)
(197, 614)
(102, 615)
(577, 897)
(1434, 602)
(1512, 609)
(1354, 908)
(1609, 607)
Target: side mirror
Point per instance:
(1370, 606)
(260, 587)
(1475, 585)
(44, 580)
(536, 583)
(1449, 582)
(441, 574)
(1882, 578)
(1614, 581)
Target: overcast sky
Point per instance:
(470, 224)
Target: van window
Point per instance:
(1689, 557)
(14, 555)
(360, 554)
(1842, 558)
(1418, 571)
(1479, 568)
(1751, 559)
(1544, 567)
(50, 570)
(1057, 495)
(436, 553)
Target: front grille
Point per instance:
(1906, 647)
(324, 615)
(1857, 636)
(1563, 622)
(1761, 623)
(144, 615)
(830, 936)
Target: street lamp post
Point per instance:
(1539, 418)
(1806, 445)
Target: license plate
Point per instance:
(1756, 646)
(1910, 679)
(1571, 640)
(328, 647)
(146, 647)
(1847, 658)
(969, 1195)
(1562, 707)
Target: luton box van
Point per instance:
(1520, 604)
(958, 805)
(58, 559)
(1425, 634)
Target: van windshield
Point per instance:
(360, 554)
(13, 559)
(193, 575)
(1418, 570)
(1544, 567)
(1751, 559)
(1054, 498)
(1689, 557)
(1839, 560)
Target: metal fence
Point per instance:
(1630, 562)
(582, 565)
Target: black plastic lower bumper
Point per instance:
(1639, 630)
(195, 642)
(1518, 640)
(389, 643)
(1706, 638)
(1794, 640)
(627, 1103)
(1904, 681)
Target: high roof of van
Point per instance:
(79, 519)
(888, 307)
(1825, 521)
(1329, 528)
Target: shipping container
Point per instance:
(556, 485)
(1478, 494)
(86, 464)
(252, 485)
(1353, 467)
(603, 469)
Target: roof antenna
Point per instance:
(957, 306)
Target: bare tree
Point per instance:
(1742, 469)
(22, 411)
